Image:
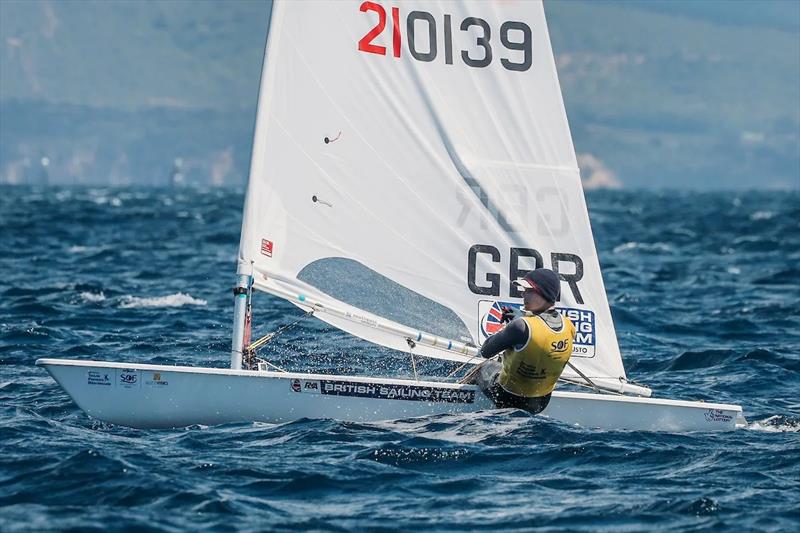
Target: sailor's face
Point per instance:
(532, 300)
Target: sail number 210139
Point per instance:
(515, 37)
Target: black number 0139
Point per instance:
(515, 37)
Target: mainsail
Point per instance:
(410, 160)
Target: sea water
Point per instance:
(705, 294)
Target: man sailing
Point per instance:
(536, 347)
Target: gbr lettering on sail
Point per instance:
(520, 261)
(483, 279)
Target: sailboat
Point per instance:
(409, 161)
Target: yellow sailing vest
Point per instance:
(534, 370)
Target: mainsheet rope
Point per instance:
(269, 336)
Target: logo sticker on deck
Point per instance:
(306, 385)
(99, 377)
(391, 391)
(155, 380)
(128, 378)
(717, 415)
(311, 385)
(490, 313)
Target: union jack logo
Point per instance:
(491, 322)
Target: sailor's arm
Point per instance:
(514, 335)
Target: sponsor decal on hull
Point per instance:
(100, 377)
(490, 312)
(156, 380)
(717, 415)
(383, 391)
(309, 386)
(128, 378)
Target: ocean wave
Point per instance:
(399, 455)
(172, 300)
(777, 424)
(93, 297)
(762, 215)
(646, 247)
(708, 320)
(697, 359)
(78, 249)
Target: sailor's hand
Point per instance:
(509, 314)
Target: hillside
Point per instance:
(659, 94)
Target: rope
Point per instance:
(269, 336)
(465, 363)
(250, 350)
(469, 376)
(581, 374)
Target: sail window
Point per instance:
(353, 283)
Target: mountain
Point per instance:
(697, 94)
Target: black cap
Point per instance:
(544, 281)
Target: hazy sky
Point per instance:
(698, 94)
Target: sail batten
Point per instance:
(413, 182)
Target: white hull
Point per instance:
(160, 396)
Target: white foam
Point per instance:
(647, 247)
(776, 424)
(172, 300)
(82, 249)
(762, 215)
(463, 428)
(93, 296)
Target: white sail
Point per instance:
(412, 158)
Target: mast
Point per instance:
(244, 282)
(241, 295)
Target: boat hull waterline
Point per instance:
(163, 396)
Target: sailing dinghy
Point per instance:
(410, 160)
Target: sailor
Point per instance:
(536, 345)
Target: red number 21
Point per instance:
(365, 44)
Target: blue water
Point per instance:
(705, 292)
